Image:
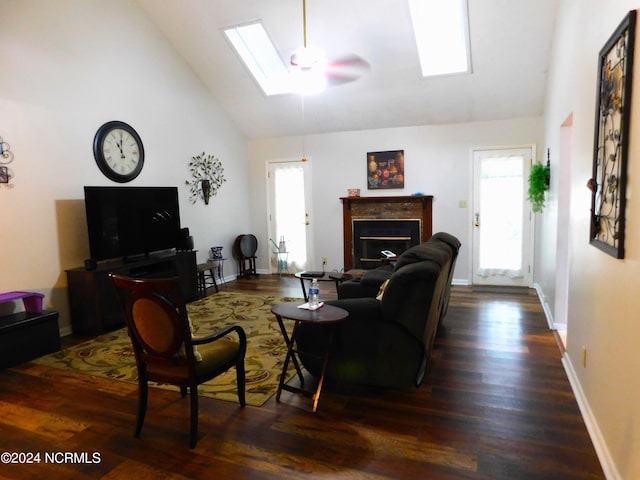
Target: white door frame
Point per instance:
(563, 233)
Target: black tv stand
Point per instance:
(135, 258)
(93, 301)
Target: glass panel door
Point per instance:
(289, 218)
(502, 218)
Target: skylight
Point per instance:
(258, 53)
(441, 29)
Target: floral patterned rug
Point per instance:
(111, 355)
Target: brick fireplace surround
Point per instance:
(415, 207)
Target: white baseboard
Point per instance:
(545, 306)
(606, 462)
(65, 331)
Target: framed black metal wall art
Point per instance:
(609, 178)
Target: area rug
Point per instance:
(111, 355)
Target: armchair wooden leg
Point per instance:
(241, 381)
(143, 390)
(194, 416)
(240, 370)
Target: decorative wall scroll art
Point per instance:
(609, 179)
(385, 169)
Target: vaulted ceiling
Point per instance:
(510, 48)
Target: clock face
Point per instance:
(118, 151)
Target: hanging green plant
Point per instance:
(208, 176)
(538, 184)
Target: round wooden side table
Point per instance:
(325, 315)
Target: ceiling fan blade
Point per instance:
(346, 69)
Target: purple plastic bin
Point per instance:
(32, 300)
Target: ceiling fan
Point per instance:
(311, 60)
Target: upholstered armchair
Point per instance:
(387, 340)
(166, 352)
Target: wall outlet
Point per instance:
(324, 261)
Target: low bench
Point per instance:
(32, 300)
(27, 335)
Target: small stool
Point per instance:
(32, 300)
(205, 269)
(246, 272)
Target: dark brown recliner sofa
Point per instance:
(388, 342)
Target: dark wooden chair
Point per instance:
(166, 352)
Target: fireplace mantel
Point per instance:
(385, 208)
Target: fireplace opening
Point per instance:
(371, 237)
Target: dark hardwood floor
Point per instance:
(496, 405)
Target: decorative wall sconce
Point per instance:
(206, 190)
(207, 177)
(6, 157)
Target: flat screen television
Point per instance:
(128, 222)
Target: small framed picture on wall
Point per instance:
(385, 169)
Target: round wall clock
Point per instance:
(118, 151)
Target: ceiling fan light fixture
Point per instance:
(306, 58)
(308, 72)
(308, 81)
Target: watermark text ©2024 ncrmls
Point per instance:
(23, 458)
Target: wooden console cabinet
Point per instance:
(93, 300)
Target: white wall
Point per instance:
(603, 300)
(68, 66)
(437, 162)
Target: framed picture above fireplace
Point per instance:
(385, 169)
